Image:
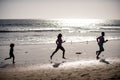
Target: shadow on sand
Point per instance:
(104, 61)
(5, 65)
(57, 64)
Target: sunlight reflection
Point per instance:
(81, 63)
(79, 22)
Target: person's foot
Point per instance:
(97, 58)
(5, 59)
(51, 57)
(63, 57)
(96, 52)
(13, 62)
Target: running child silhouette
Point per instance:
(11, 53)
(59, 42)
(100, 41)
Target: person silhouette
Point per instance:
(11, 53)
(100, 41)
(59, 42)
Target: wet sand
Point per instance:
(33, 63)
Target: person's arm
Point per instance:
(56, 41)
(105, 41)
(97, 39)
(63, 41)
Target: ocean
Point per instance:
(39, 31)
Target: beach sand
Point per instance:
(33, 62)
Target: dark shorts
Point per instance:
(60, 47)
(11, 55)
(101, 47)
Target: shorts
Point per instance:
(11, 55)
(101, 47)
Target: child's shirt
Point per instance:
(11, 51)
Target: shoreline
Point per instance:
(54, 42)
(41, 53)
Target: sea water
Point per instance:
(37, 31)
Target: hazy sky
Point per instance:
(52, 9)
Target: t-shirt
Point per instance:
(100, 40)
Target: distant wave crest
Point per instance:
(52, 30)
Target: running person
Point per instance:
(100, 41)
(59, 42)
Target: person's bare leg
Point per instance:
(54, 53)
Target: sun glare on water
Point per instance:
(78, 22)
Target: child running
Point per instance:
(59, 42)
(11, 53)
(100, 41)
